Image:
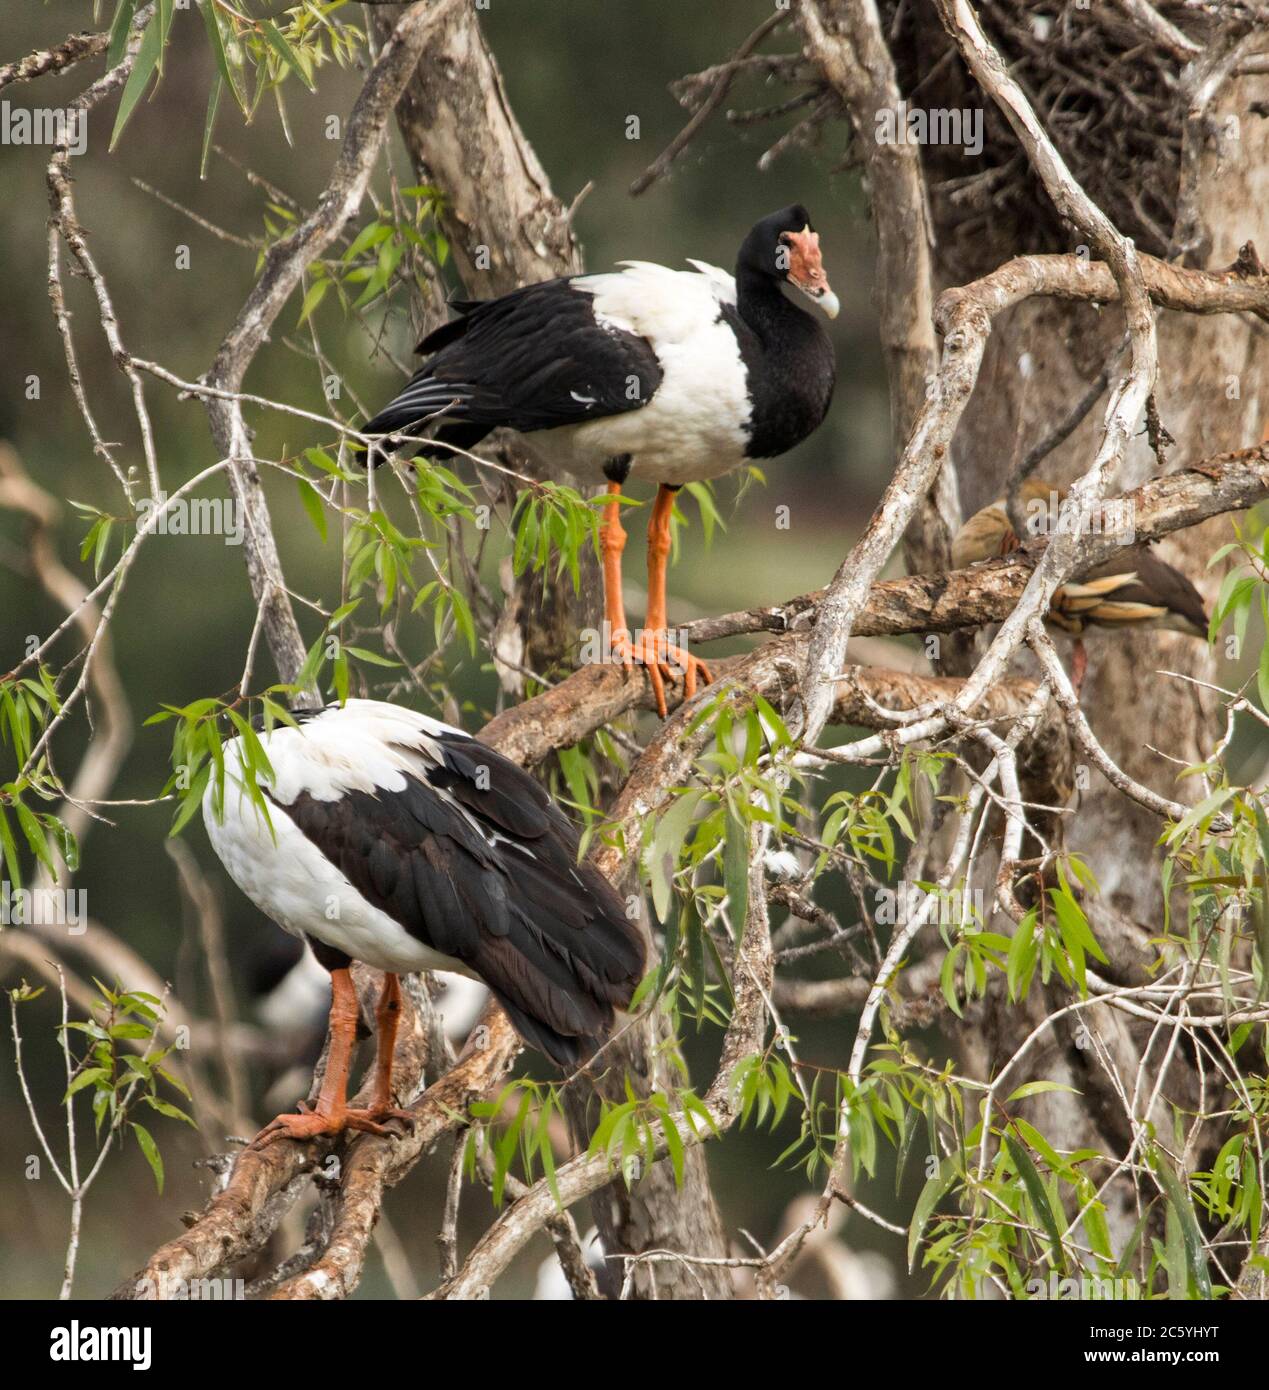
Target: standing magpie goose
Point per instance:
(402, 842)
(646, 373)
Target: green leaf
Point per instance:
(667, 845)
(319, 458)
(151, 1151)
(171, 1111)
(736, 870)
(85, 1078)
(209, 125)
(104, 528)
(1192, 1236)
(932, 1194)
(1020, 963)
(165, 24)
(372, 658)
(119, 28)
(674, 1144)
(213, 21)
(67, 844)
(10, 850)
(947, 978)
(35, 836)
(143, 69)
(1262, 677)
(192, 800)
(309, 495)
(370, 235)
(1096, 1227)
(278, 43)
(1039, 1197)
(316, 293)
(1261, 911)
(1039, 1088)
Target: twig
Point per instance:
(660, 165)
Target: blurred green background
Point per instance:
(575, 72)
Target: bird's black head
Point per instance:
(786, 248)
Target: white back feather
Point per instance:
(664, 306)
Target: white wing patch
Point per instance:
(697, 423)
(721, 283)
(359, 746)
(662, 305)
(365, 745)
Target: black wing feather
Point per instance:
(534, 359)
(478, 863)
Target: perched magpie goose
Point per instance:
(646, 373)
(397, 840)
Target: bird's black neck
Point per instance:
(763, 306)
(789, 360)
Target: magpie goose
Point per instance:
(647, 373)
(1134, 588)
(402, 842)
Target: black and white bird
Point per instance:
(641, 373)
(402, 842)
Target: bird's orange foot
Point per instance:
(313, 1124)
(663, 661)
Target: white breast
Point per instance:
(695, 426)
(287, 877)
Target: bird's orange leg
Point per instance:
(612, 541)
(331, 1115)
(654, 649)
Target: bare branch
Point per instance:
(722, 83)
(1162, 30)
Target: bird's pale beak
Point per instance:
(806, 271)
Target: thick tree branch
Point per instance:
(73, 49)
(988, 592)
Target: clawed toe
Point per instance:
(310, 1124)
(664, 662)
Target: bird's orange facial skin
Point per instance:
(805, 269)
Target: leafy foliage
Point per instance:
(120, 1064)
(27, 704)
(254, 55)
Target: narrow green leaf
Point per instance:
(143, 69)
(309, 495)
(274, 37)
(1039, 1197)
(85, 1078)
(209, 125)
(1179, 1201)
(316, 293)
(35, 836)
(931, 1195)
(119, 28)
(10, 849)
(215, 24)
(151, 1151)
(736, 870)
(1039, 1088)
